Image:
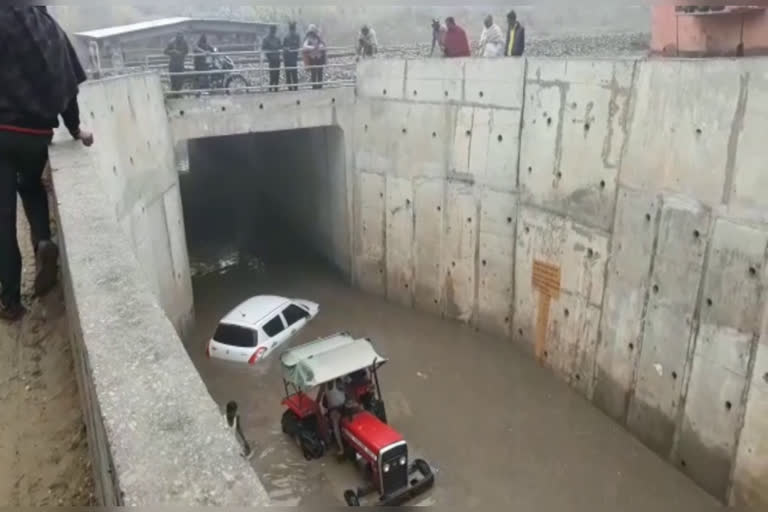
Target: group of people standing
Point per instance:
(311, 46)
(494, 42)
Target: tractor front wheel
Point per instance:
(423, 467)
(290, 423)
(351, 498)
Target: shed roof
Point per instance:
(166, 23)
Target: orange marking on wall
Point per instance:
(546, 279)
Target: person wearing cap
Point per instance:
(291, 46)
(515, 36)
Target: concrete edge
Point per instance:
(155, 435)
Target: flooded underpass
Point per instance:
(499, 430)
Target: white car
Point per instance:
(254, 329)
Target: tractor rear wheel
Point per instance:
(379, 410)
(351, 498)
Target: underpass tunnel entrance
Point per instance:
(276, 197)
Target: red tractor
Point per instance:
(365, 435)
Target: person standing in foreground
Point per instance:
(40, 76)
(315, 55)
(456, 41)
(491, 40)
(272, 48)
(291, 46)
(515, 36)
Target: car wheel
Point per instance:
(290, 423)
(350, 497)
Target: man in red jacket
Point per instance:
(40, 75)
(456, 42)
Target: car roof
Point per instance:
(254, 310)
(327, 359)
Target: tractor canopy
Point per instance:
(328, 359)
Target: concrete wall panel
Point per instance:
(628, 274)
(494, 82)
(424, 133)
(683, 119)
(495, 147)
(462, 143)
(460, 251)
(664, 356)
(372, 233)
(498, 218)
(436, 80)
(580, 254)
(750, 475)
(730, 323)
(400, 240)
(381, 79)
(581, 109)
(748, 138)
(429, 208)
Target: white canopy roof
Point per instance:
(328, 359)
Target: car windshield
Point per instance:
(235, 336)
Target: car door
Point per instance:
(274, 332)
(295, 318)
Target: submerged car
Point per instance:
(257, 327)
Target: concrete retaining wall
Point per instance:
(134, 161)
(607, 216)
(155, 436)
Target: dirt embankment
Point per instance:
(43, 449)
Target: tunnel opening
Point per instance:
(273, 198)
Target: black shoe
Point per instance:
(11, 312)
(46, 258)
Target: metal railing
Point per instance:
(250, 72)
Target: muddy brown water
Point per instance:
(501, 431)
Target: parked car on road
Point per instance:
(257, 327)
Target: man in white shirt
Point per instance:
(491, 40)
(336, 398)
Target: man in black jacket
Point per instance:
(291, 47)
(272, 48)
(40, 76)
(515, 36)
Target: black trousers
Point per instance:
(292, 76)
(22, 161)
(274, 76)
(316, 73)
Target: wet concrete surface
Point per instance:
(501, 431)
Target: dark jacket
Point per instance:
(517, 48)
(291, 47)
(200, 59)
(177, 51)
(40, 73)
(272, 48)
